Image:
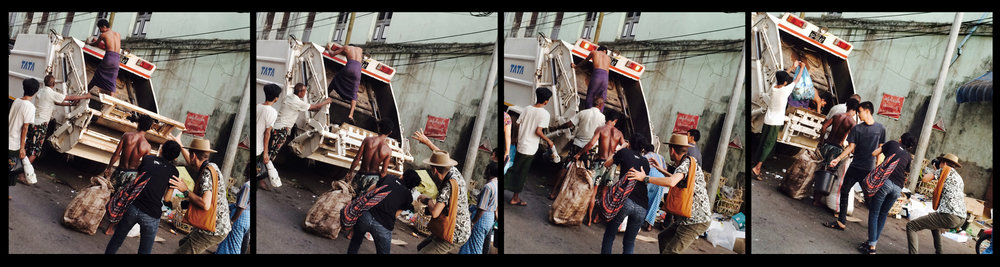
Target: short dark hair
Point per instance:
(491, 170)
(299, 86)
(867, 105)
(386, 126)
(498, 152)
(103, 23)
(602, 48)
(50, 80)
(695, 133)
(610, 115)
(783, 77)
(852, 104)
(30, 86)
(170, 150)
(440, 169)
(639, 142)
(907, 141)
(271, 92)
(542, 94)
(145, 122)
(411, 179)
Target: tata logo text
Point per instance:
(516, 69)
(267, 71)
(27, 65)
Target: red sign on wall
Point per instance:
(891, 106)
(436, 128)
(685, 122)
(195, 124)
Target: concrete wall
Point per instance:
(204, 73)
(692, 75)
(440, 77)
(908, 67)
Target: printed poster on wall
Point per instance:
(685, 122)
(195, 124)
(436, 128)
(891, 106)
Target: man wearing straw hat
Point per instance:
(205, 194)
(683, 231)
(949, 201)
(443, 169)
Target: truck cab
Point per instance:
(92, 128)
(325, 135)
(530, 63)
(775, 43)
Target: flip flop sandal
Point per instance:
(833, 225)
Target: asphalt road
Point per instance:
(528, 230)
(782, 225)
(282, 213)
(34, 215)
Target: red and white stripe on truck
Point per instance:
(371, 67)
(129, 62)
(812, 34)
(619, 64)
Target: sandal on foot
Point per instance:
(834, 225)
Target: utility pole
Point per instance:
(597, 31)
(727, 129)
(350, 27)
(477, 128)
(932, 108)
(237, 131)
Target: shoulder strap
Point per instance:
(691, 169)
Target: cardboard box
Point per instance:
(974, 206)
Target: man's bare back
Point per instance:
(601, 60)
(351, 52)
(376, 153)
(112, 41)
(134, 147)
(842, 124)
(609, 138)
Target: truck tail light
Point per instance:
(842, 44)
(145, 65)
(588, 46)
(797, 22)
(385, 69)
(634, 66)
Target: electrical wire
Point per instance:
(205, 55)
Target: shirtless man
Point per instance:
(374, 152)
(599, 77)
(840, 125)
(131, 148)
(607, 138)
(106, 74)
(346, 82)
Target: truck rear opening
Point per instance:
(326, 135)
(90, 130)
(776, 43)
(540, 62)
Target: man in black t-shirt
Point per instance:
(863, 140)
(145, 208)
(381, 218)
(635, 205)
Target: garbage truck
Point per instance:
(530, 63)
(776, 43)
(325, 135)
(91, 129)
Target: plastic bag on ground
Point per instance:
(272, 173)
(29, 171)
(570, 206)
(724, 236)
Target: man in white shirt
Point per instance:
(529, 133)
(22, 113)
(775, 116)
(47, 98)
(586, 122)
(290, 110)
(266, 116)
